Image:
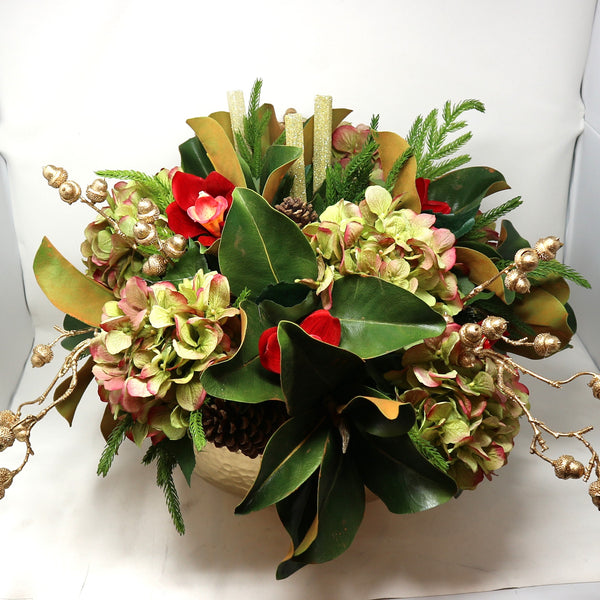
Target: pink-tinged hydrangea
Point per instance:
(109, 257)
(155, 343)
(460, 410)
(397, 245)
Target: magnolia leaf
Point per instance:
(292, 455)
(381, 417)
(340, 507)
(223, 118)
(242, 378)
(312, 370)
(391, 147)
(510, 241)
(463, 190)
(287, 302)
(219, 149)
(394, 470)
(261, 247)
(108, 423)
(274, 129)
(67, 288)
(72, 324)
(378, 317)
(277, 162)
(194, 159)
(559, 288)
(480, 269)
(67, 407)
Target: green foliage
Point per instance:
(244, 295)
(349, 183)
(151, 186)
(397, 167)
(115, 439)
(165, 465)
(428, 450)
(374, 125)
(250, 142)
(551, 269)
(491, 216)
(428, 139)
(197, 430)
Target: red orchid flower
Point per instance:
(320, 325)
(435, 206)
(200, 206)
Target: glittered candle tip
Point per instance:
(237, 110)
(322, 139)
(294, 136)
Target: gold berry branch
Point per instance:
(144, 231)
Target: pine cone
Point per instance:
(298, 210)
(244, 427)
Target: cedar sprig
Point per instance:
(428, 450)
(151, 186)
(554, 268)
(197, 430)
(113, 443)
(165, 465)
(428, 139)
(491, 216)
(399, 163)
(255, 125)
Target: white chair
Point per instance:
(105, 85)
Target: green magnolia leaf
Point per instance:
(261, 247)
(291, 456)
(72, 324)
(242, 378)
(312, 371)
(340, 507)
(277, 162)
(394, 470)
(378, 415)
(463, 190)
(67, 288)
(287, 302)
(194, 159)
(69, 405)
(510, 241)
(378, 317)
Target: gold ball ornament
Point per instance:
(7, 438)
(7, 418)
(470, 334)
(467, 360)
(595, 385)
(566, 467)
(175, 247)
(547, 247)
(546, 344)
(97, 191)
(42, 354)
(526, 259)
(21, 433)
(144, 233)
(69, 191)
(55, 176)
(494, 327)
(6, 477)
(517, 281)
(594, 492)
(147, 211)
(155, 266)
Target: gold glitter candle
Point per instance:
(237, 110)
(294, 136)
(322, 140)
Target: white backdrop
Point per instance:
(109, 85)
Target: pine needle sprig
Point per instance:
(400, 162)
(491, 216)
(152, 186)
(374, 125)
(165, 465)
(113, 443)
(554, 268)
(197, 430)
(428, 450)
(428, 139)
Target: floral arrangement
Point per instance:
(329, 297)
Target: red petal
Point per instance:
(323, 326)
(422, 186)
(186, 188)
(180, 223)
(217, 185)
(269, 350)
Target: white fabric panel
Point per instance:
(109, 85)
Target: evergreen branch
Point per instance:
(554, 268)
(165, 464)
(151, 186)
(374, 125)
(398, 165)
(150, 455)
(244, 295)
(446, 166)
(197, 430)
(492, 215)
(254, 128)
(113, 443)
(452, 147)
(428, 450)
